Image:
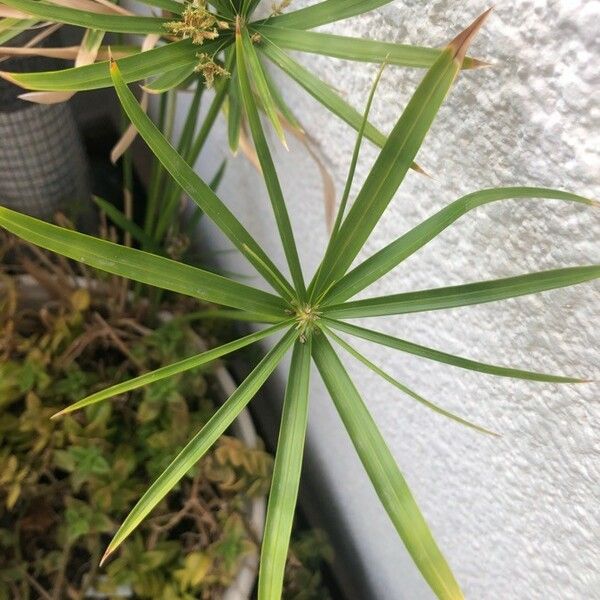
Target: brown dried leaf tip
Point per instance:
(460, 44)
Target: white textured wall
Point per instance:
(517, 517)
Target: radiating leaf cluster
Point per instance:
(306, 311)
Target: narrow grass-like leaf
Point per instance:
(464, 295)
(141, 266)
(133, 68)
(355, 153)
(382, 262)
(286, 475)
(171, 370)
(170, 79)
(170, 5)
(119, 219)
(198, 191)
(202, 441)
(321, 92)
(228, 315)
(11, 28)
(82, 18)
(281, 104)
(383, 471)
(264, 155)
(443, 357)
(234, 113)
(261, 86)
(350, 178)
(355, 49)
(395, 159)
(325, 12)
(406, 390)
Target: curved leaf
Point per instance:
(170, 370)
(201, 442)
(286, 475)
(140, 266)
(133, 68)
(383, 471)
(464, 295)
(393, 254)
(443, 357)
(82, 18)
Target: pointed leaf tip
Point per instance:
(460, 44)
(105, 556)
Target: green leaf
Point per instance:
(355, 49)
(286, 475)
(202, 441)
(83, 18)
(170, 370)
(280, 103)
(325, 12)
(170, 5)
(382, 262)
(254, 66)
(319, 90)
(355, 153)
(464, 295)
(140, 266)
(350, 178)
(160, 60)
(119, 219)
(322, 93)
(443, 357)
(244, 52)
(11, 28)
(406, 390)
(170, 79)
(383, 471)
(198, 191)
(395, 159)
(234, 113)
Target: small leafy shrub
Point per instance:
(66, 483)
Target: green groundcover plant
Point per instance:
(65, 483)
(310, 316)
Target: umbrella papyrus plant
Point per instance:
(197, 44)
(312, 316)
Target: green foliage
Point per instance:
(65, 484)
(303, 313)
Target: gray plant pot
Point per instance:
(43, 166)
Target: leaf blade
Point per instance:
(464, 295)
(354, 49)
(393, 254)
(82, 18)
(384, 473)
(406, 390)
(395, 159)
(90, 77)
(170, 370)
(201, 442)
(140, 266)
(286, 475)
(244, 49)
(444, 357)
(325, 12)
(198, 191)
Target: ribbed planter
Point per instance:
(43, 166)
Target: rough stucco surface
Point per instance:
(516, 516)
